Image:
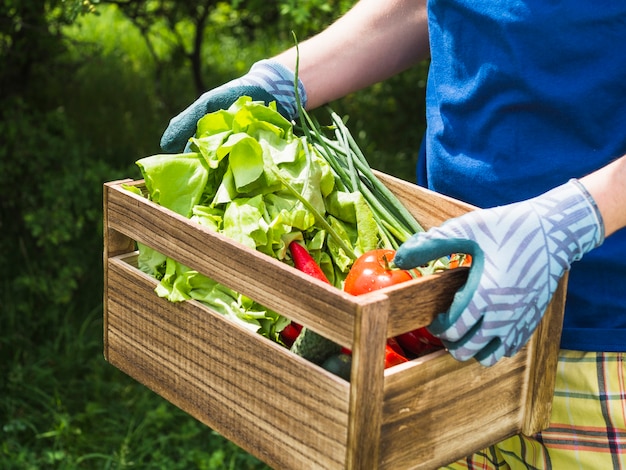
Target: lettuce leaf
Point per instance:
(175, 181)
(233, 182)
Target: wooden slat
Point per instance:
(114, 244)
(437, 409)
(366, 384)
(268, 401)
(542, 363)
(415, 303)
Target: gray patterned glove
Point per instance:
(266, 81)
(519, 253)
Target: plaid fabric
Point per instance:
(588, 424)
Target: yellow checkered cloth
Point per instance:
(587, 427)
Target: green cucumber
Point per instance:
(314, 347)
(339, 364)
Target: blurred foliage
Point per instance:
(86, 88)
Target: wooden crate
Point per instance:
(291, 413)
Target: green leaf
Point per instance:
(244, 222)
(246, 162)
(175, 181)
(151, 261)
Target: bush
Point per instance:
(97, 103)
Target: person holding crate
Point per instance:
(525, 100)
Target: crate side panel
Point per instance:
(429, 208)
(274, 405)
(439, 409)
(544, 347)
(270, 282)
(416, 303)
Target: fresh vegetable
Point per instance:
(339, 364)
(419, 342)
(307, 343)
(393, 353)
(373, 270)
(392, 356)
(393, 220)
(303, 261)
(258, 179)
(290, 332)
(314, 347)
(459, 259)
(249, 177)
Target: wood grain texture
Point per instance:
(285, 410)
(366, 384)
(115, 243)
(542, 363)
(438, 410)
(270, 402)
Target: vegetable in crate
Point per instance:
(308, 343)
(374, 270)
(251, 178)
(419, 342)
(339, 364)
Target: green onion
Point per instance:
(395, 222)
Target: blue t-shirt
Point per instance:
(523, 95)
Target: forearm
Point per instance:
(373, 41)
(607, 186)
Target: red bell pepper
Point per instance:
(303, 261)
(290, 333)
(394, 354)
(419, 342)
(392, 357)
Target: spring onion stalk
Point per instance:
(395, 222)
(318, 217)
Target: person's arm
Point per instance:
(373, 41)
(607, 187)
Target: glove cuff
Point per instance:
(278, 81)
(594, 212)
(576, 212)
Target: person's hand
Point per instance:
(266, 81)
(519, 253)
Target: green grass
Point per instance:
(63, 407)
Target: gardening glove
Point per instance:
(519, 253)
(266, 81)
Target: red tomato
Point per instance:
(372, 271)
